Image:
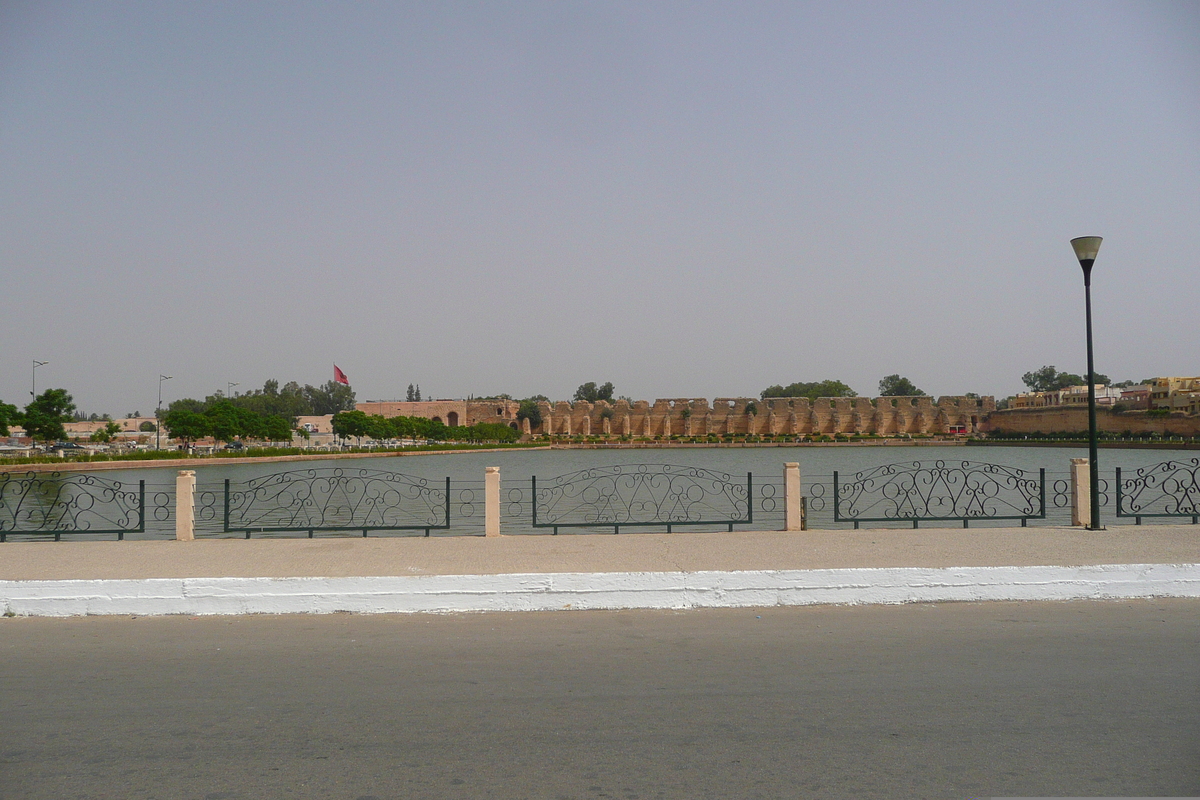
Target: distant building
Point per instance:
(1175, 394)
(448, 412)
(1136, 397)
(1070, 396)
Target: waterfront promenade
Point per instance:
(639, 570)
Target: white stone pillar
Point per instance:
(491, 501)
(1081, 491)
(794, 519)
(185, 505)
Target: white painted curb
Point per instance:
(544, 592)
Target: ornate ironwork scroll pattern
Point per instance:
(641, 494)
(940, 491)
(76, 502)
(332, 498)
(1169, 489)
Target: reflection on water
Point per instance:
(466, 471)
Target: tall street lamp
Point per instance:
(33, 383)
(158, 409)
(1086, 248)
(229, 390)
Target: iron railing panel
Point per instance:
(334, 499)
(939, 491)
(1167, 489)
(57, 503)
(641, 495)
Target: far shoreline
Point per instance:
(201, 461)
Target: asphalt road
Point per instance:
(958, 700)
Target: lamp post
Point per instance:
(158, 409)
(1086, 248)
(33, 382)
(229, 389)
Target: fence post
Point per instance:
(185, 505)
(794, 518)
(1081, 501)
(491, 501)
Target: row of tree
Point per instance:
(358, 424)
(889, 386)
(1050, 379)
(268, 414)
(226, 422)
(43, 419)
(289, 401)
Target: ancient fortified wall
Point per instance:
(771, 417)
(886, 416)
(1075, 420)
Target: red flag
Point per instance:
(340, 376)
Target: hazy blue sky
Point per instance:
(687, 199)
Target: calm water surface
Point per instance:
(466, 471)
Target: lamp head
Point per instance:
(1086, 248)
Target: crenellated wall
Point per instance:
(689, 416)
(786, 416)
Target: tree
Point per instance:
(226, 421)
(1049, 379)
(812, 390)
(186, 404)
(106, 433)
(411, 395)
(147, 426)
(590, 393)
(529, 410)
(350, 423)
(9, 415)
(895, 386)
(485, 432)
(44, 417)
(380, 427)
(330, 398)
(275, 428)
(186, 425)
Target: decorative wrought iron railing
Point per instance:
(642, 495)
(335, 499)
(940, 491)
(1169, 489)
(57, 503)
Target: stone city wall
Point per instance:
(450, 412)
(777, 416)
(742, 416)
(1075, 420)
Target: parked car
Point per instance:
(235, 446)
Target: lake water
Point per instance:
(466, 473)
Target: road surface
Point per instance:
(954, 700)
